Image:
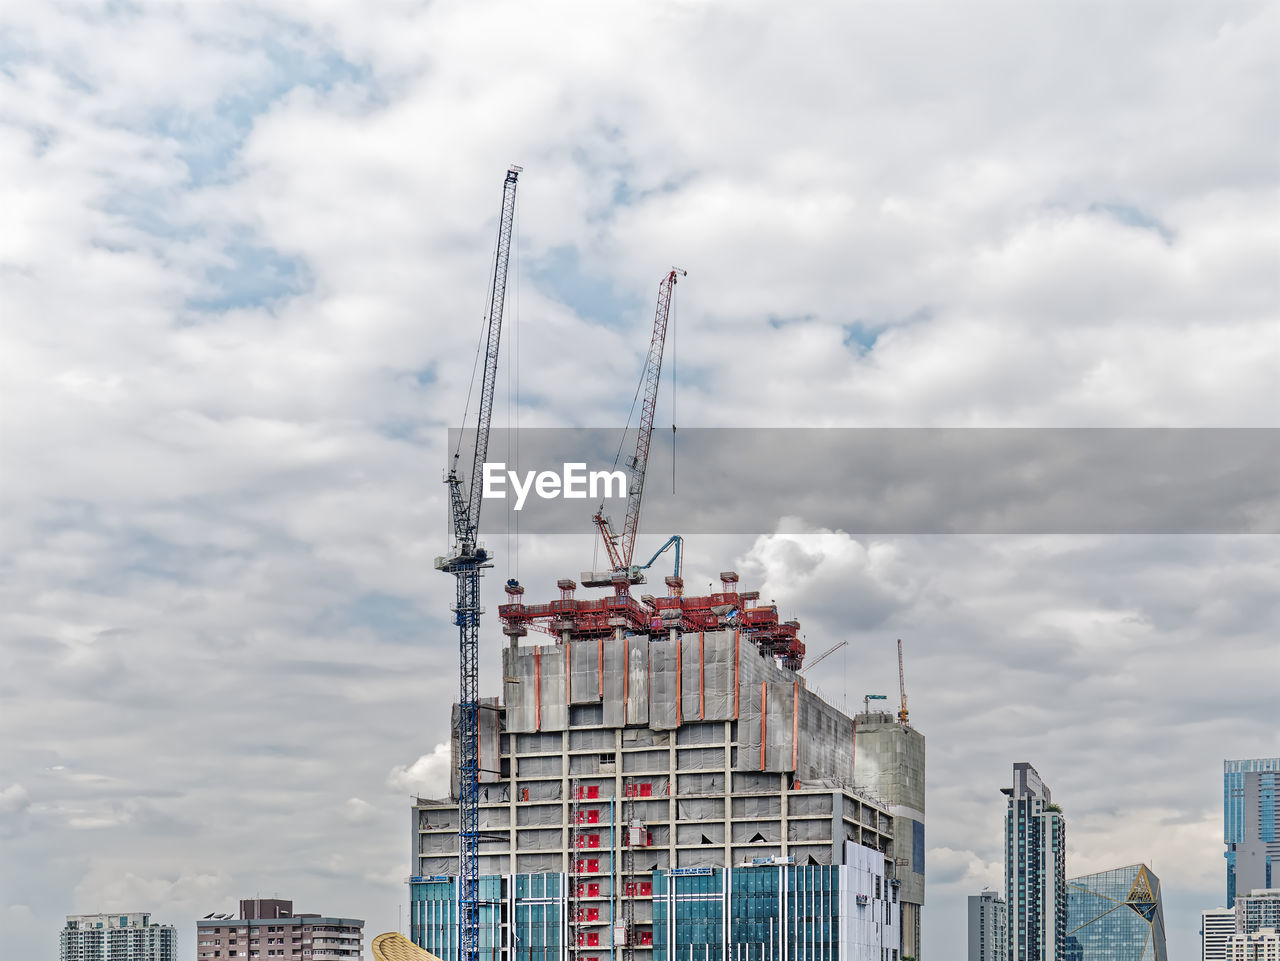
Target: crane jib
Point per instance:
(621, 552)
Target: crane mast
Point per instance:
(621, 547)
(466, 561)
(902, 687)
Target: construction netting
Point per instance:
(651, 686)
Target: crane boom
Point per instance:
(621, 548)
(831, 650)
(466, 561)
(466, 516)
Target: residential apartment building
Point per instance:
(1035, 845)
(269, 928)
(1262, 945)
(1257, 910)
(988, 927)
(117, 937)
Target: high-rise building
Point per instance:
(1115, 915)
(270, 928)
(117, 937)
(890, 764)
(661, 797)
(988, 927)
(1262, 945)
(1257, 910)
(1035, 844)
(1217, 926)
(1251, 824)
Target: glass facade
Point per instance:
(765, 912)
(538, 911)
(1262, 776)
(694, 920)
(1115, 916)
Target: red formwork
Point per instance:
(577, 620)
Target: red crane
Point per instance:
(621, 546)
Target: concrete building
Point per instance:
(117, 937)
(657, 796)
(1115, 915)
(890, 764)
(1251, 824)
(1257, 910)
(1262, 945)
(1035, 844)
(270, 928)
(1217, 926)
(988, 927)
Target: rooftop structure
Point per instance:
(1115, 915)
(117, 937)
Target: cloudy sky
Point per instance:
(243, 255)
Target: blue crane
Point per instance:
(465, 562)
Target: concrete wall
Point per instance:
(890, 765)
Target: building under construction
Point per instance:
(656, 780)
(668, 785)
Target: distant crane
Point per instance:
(831, 650)
(621, 546)
(902, 687)
(465, 562)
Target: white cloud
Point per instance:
(357, 810)
(428, 776)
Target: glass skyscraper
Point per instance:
(1250, 825)
(1035, 846)
(1115, 916)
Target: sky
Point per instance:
(244, 259)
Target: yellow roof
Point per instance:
(393, 946)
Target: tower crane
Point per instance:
(620, 546)
(902, 687)
(831, 650)
(465, 562)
